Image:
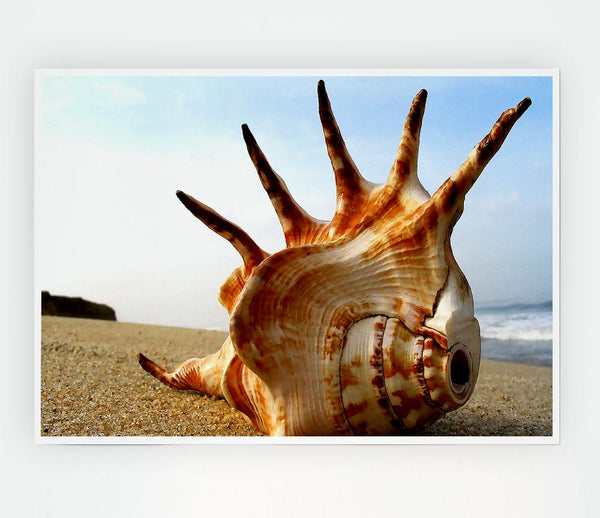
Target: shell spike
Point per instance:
(251, 253)
(351, 187)
(347, 177)
(450, 196)
(293, 218)
(203, 375)
(159, 372)
(404, 170)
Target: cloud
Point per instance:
(117, 93)
(499, 203)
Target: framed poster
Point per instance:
(358, 266)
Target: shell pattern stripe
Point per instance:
(361, 325)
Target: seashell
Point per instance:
(363, 324)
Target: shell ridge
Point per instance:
(362, 367)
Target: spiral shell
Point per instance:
(361, 325)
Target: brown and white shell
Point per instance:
(363, 324)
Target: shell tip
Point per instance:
(150, 367)
(321, 89)
(246, 133)
(143, 361)
(523, 105)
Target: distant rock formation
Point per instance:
(76, 307)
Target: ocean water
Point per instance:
(520, 333)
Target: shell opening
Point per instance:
(460, 372)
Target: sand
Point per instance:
(92, 385)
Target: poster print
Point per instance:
(350, 311)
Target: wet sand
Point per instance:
(92, 385)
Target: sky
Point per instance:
(112, 148)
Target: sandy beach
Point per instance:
(92, 385)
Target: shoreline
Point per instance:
(93, 386)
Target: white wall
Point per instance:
(52, 480)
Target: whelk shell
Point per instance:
(363, 324)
